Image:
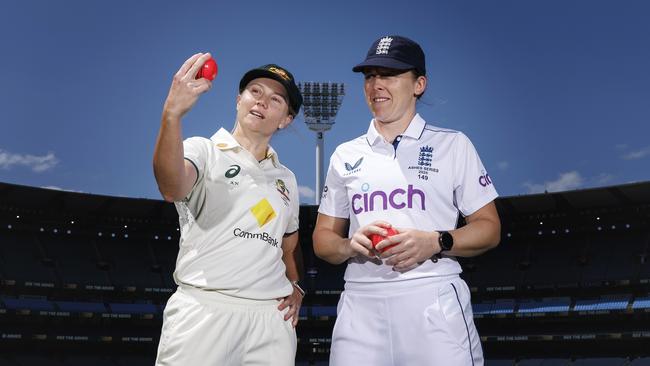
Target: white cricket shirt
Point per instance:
(234, 219)
(423, 181)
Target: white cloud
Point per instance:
(503, 165)
(566, 181)
(306, 192)
(37, 164)
(638, 154)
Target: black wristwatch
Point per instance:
(446, 241)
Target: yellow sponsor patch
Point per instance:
(263, 212)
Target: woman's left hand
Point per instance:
(293, 302)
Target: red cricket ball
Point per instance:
(376, 238)
(208, 70)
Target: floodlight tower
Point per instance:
(321, 102)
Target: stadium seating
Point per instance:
(552, 293)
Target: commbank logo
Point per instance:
(265, 237)
(398, 198)
(263, 212)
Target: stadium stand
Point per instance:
(84, 279)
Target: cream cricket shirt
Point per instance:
(233, 220)
(423, 181)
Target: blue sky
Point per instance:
(555, 95)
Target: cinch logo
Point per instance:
(265, 237)
(484, 180)
(380, 200)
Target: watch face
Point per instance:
(446, 240)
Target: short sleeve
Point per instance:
(196, 150)
(473, 187)
(334, 200)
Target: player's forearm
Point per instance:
(330, 246)
(476, 237)
(168, 161)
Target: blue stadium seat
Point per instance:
(531, 362)
(603, 303)
(549, 305)
(85, 360)
(609, 361)
(505, 306)
(499, 362)
(641, 303)
(81, 307)
(318, 311)
(642, 361)
(37, 360)
(133, 308)
(482, 308)
(28, 304)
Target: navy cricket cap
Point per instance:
(394, 52)
(280, 74)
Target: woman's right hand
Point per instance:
(185, 89)
(360, 242)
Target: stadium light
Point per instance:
(321, 103)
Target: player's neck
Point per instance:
(254, 143)
(391, 129)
